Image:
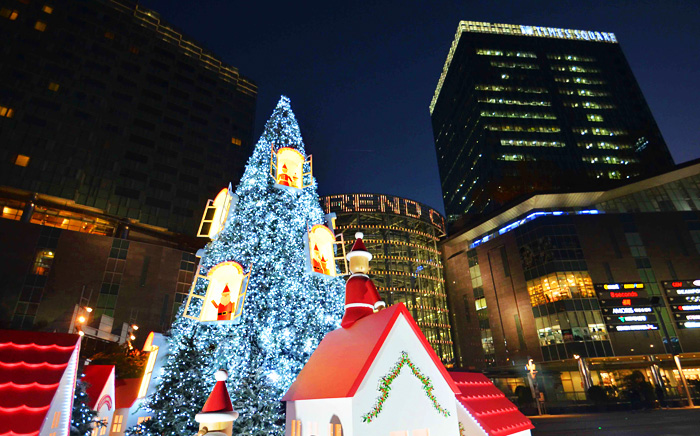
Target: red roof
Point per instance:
(488, 405)
(126, 391)
(31, 367)
(96, 376)
(342, 359)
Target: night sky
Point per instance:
(361, 74)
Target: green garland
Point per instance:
(461, 428)
(385, 386)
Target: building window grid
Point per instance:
(112, 278)
(33, 288)
(188, 264)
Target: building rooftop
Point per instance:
(517, 30)
(568, 202)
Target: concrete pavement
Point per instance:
(668, 422)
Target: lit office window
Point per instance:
(48, 9)
(10, 14)
(21, 160)
(7, 112)
(43, 262)
(531, 143)
(509, 114)
(40, 26)
(53, 86)
(520, 65)
(594, 118)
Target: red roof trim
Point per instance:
(378, 346)
(370, 360)
(36, 346)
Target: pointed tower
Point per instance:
(282, 308)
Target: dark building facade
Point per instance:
(104, 104)
(406, 266)
(522, 109)
(561, 277)
(57, 256)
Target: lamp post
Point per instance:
(655, 303)
(531, 378)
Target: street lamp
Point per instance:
(532, 374)
(655, 303)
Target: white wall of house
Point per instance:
(407, 408)
(57, 421)
(317, 415)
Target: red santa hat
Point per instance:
(358, 248)
(225, 291)
(218, 407)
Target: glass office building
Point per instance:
(406, 266)
(522, 109)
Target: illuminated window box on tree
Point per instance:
(216, 213)
(224, 297)
(321, 248)
(289, 168)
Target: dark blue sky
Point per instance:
(361, 74)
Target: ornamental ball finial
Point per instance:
(359, 235)
(221, 375)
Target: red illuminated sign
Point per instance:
(677, 284)
(627, 302)
(627, 294)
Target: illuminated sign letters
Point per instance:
(383, 204)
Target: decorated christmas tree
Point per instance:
(260, 303)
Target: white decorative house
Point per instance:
(381, 377)
(100, 391)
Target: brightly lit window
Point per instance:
(146, 380)
(594, 118)
(500, 88)
(520, 65)
(56, 419)
(603, 145)
(512, 114)
(599, 131)
(117, 424)
(575, 69)
(143, 419)
(296, 428)
(569, 57)
(53, 86)
(236, 141)
(508, 128)
(581, 80)
(516, 54)
(525, 143)
(513, 102)
(516, 157)
(335, 430)
(589, 105)
(42, 262)
(610, 160)
(10, 14)
(40, 26)
(21, 160)
(6, 112)
(560, 286)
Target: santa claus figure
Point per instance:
(285, 179)
(361, 296)
(225, 307)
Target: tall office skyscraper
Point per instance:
(104, 104)
(522, 109)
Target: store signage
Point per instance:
(624, 302)
(633, 327)
(684, 298)
(581, 35)
(630, 319)
(383, 204)
(687, 307)
(689, 324)
(628, 310)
